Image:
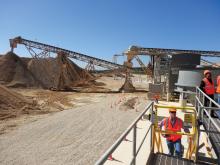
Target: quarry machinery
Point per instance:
(148, 69)
(46, 52)
(161, 60)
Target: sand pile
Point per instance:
(69, 74)
(127, 86)
(13, 104)
(14, 72)
(53, 101)
(129, 104)
(57, 73)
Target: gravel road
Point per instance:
(78, 136)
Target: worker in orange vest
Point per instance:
(173, 123)
(218, 88)
(207, 86)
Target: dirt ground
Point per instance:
(76, 136)
(75, 128)
(19, 104)
(140, 82)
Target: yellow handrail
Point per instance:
(176, 107)
(193, 135)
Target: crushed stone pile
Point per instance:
(59, 73)
(13, 104)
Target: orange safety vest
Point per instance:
(218, 85)
(176, 128)
(209, 87)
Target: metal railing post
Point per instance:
(199, 112)
(197, 145)
(151, 132)
(134, 144)
(196, 103)
(197, 98)
(198, 126)
(203, 99)
(209, 121)
(203, 102)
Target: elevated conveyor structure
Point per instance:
(136, 50)
(161, 58)
(71, 54)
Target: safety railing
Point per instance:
(204, 105)
(135, 149)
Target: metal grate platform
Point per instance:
(164, 159)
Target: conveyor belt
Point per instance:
(164, 159)
(71, 54)
(148, 51)
(214, 137)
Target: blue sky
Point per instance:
(102, 28)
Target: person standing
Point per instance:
(218, 89)
(175, 124)
(207, 86)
